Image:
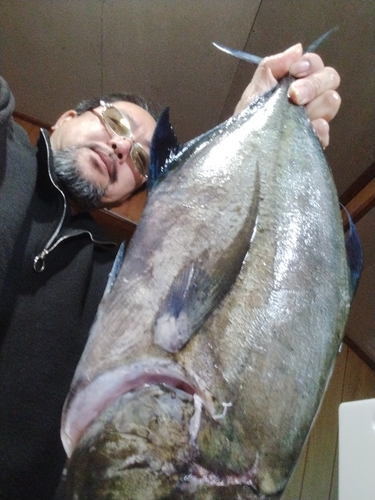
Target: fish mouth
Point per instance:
(87, 400)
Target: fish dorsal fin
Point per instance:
(164, 146)
(197, 290)
(166, 153)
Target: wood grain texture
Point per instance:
(316, 474)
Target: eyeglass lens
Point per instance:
(117, 122)
(120, 126)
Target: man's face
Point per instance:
(102, 158)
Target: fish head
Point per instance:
(138, 448)
(144, 446)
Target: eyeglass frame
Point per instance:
(129, 135)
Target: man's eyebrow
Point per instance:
(136, 125)
(130, 118)
(132, 122)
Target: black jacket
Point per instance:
(53, 271)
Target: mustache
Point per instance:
(108, 157)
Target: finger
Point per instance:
(324, 106)
(269, 70)
(321, 128)
(306, 89)
(279, 64)
(262, 81)
(306, 65)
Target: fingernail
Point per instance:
(295, 48)
(300, 67)
(301, 92)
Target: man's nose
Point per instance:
(121, 147)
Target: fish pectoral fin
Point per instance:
(193, 296)
(195, 292)
(164, 146)
(185, 308)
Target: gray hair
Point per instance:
(87, 104)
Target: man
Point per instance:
(54, 260)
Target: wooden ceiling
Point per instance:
(55, 52)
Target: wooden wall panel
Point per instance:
(31, 129)
(319, 451)
(323, 438)
(316, 473)
(359, 379)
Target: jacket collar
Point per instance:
(67, 226)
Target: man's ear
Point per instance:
(68, 115)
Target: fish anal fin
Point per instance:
(115, 269)
(354, 254)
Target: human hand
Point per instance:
(315, 86)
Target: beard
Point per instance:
(85, 193)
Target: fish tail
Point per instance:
(240, 54)
(251, 58)
(320, 40)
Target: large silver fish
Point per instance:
(209, 357)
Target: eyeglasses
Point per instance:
(119, 125)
